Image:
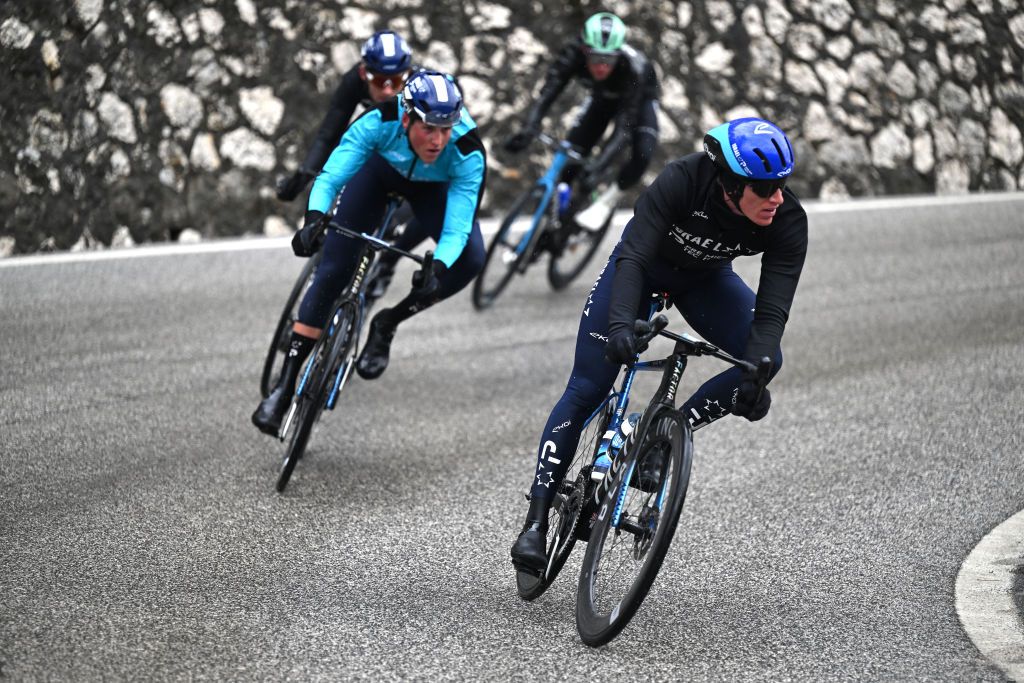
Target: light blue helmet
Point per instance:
(750, 149)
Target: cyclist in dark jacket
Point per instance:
(380, 75)
(623, 88)
(701, 212)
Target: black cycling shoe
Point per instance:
(271, 411)
(373, 360)
(529, 552)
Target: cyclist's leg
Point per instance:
(644, 140)
(587, 128)
(720, 308)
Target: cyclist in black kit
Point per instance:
(380, 75)
(623, 87)
(701, 212)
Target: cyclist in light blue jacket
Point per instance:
(424, 146)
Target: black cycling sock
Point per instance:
(538, 511)
(299, 347)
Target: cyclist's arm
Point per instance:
(568, 62)
(464, 193)
(346, 97)
(357, 144)
(781, 264)
(657, 207)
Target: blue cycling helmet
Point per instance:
(750, 151)
(386, 52)
(434, 98)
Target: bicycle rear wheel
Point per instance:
(279, 342)
(507, 254)
(564, 517)
(568, 261)
(623, 560)
(329, 359)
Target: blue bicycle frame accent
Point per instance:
(548, 182)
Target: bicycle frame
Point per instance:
(564, 153)
(353, 295)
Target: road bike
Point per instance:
(629, 515)
(538, 222)
(334, 355)
(282, 332)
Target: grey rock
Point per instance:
(1016, 25)
(163, 27)
(848, 151)
(924, 156)
(866, 69)
(953, 99)
(245, 149)
(890, 147)
(1004, 141)
(765, 59)
(15, 35)
(966, 30)
(818, 126)
(952, 177)
(965, 66)
(902, 81)
(247, 11)
(117, 116)
(944, 135)
(204, 153)
(715, 59)
(971, 138)
(801, 78)
(840, 47)
(835, 78)
(490, 16)
(834, 15)
(805, 41)
(777, 20)
(720, 14)
(47, 133)
(183, 107)
(262, 108)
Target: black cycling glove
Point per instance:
(426, 287)
(748, 403)
(521, 139)
(309, 237)
(622, 346)
(290, 187)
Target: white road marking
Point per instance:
(984, 598)
(487, 225)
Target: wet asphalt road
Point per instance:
(140, 535)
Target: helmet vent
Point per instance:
(778, 149)
(764, 159)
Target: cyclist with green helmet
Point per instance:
(623, 88)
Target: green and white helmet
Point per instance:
(604, 32)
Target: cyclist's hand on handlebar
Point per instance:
(290, 187)
(307, 240)
(426, 286)
(520, 140)
(752, 398)
(623, 346)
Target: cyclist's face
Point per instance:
(382, 87)
(760, 210)
(600, 71)
(426, 140)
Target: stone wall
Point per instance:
(126, 120)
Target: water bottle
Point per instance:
(564, 197)
(603, 464)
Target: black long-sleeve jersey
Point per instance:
(682, 221)
(632, 82)
(350, 93)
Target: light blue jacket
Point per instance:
(462, 164)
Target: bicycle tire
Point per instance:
(600, 616)
(567, 506)
(502, 248)
(279, 342)
(584, 241)
(311, 403)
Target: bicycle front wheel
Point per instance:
(331, 362)
(569, 259)
(282, 333)
(634, 527)
(564, 517)
(512, 248)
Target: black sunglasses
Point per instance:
(602, 57)
(766, 188)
